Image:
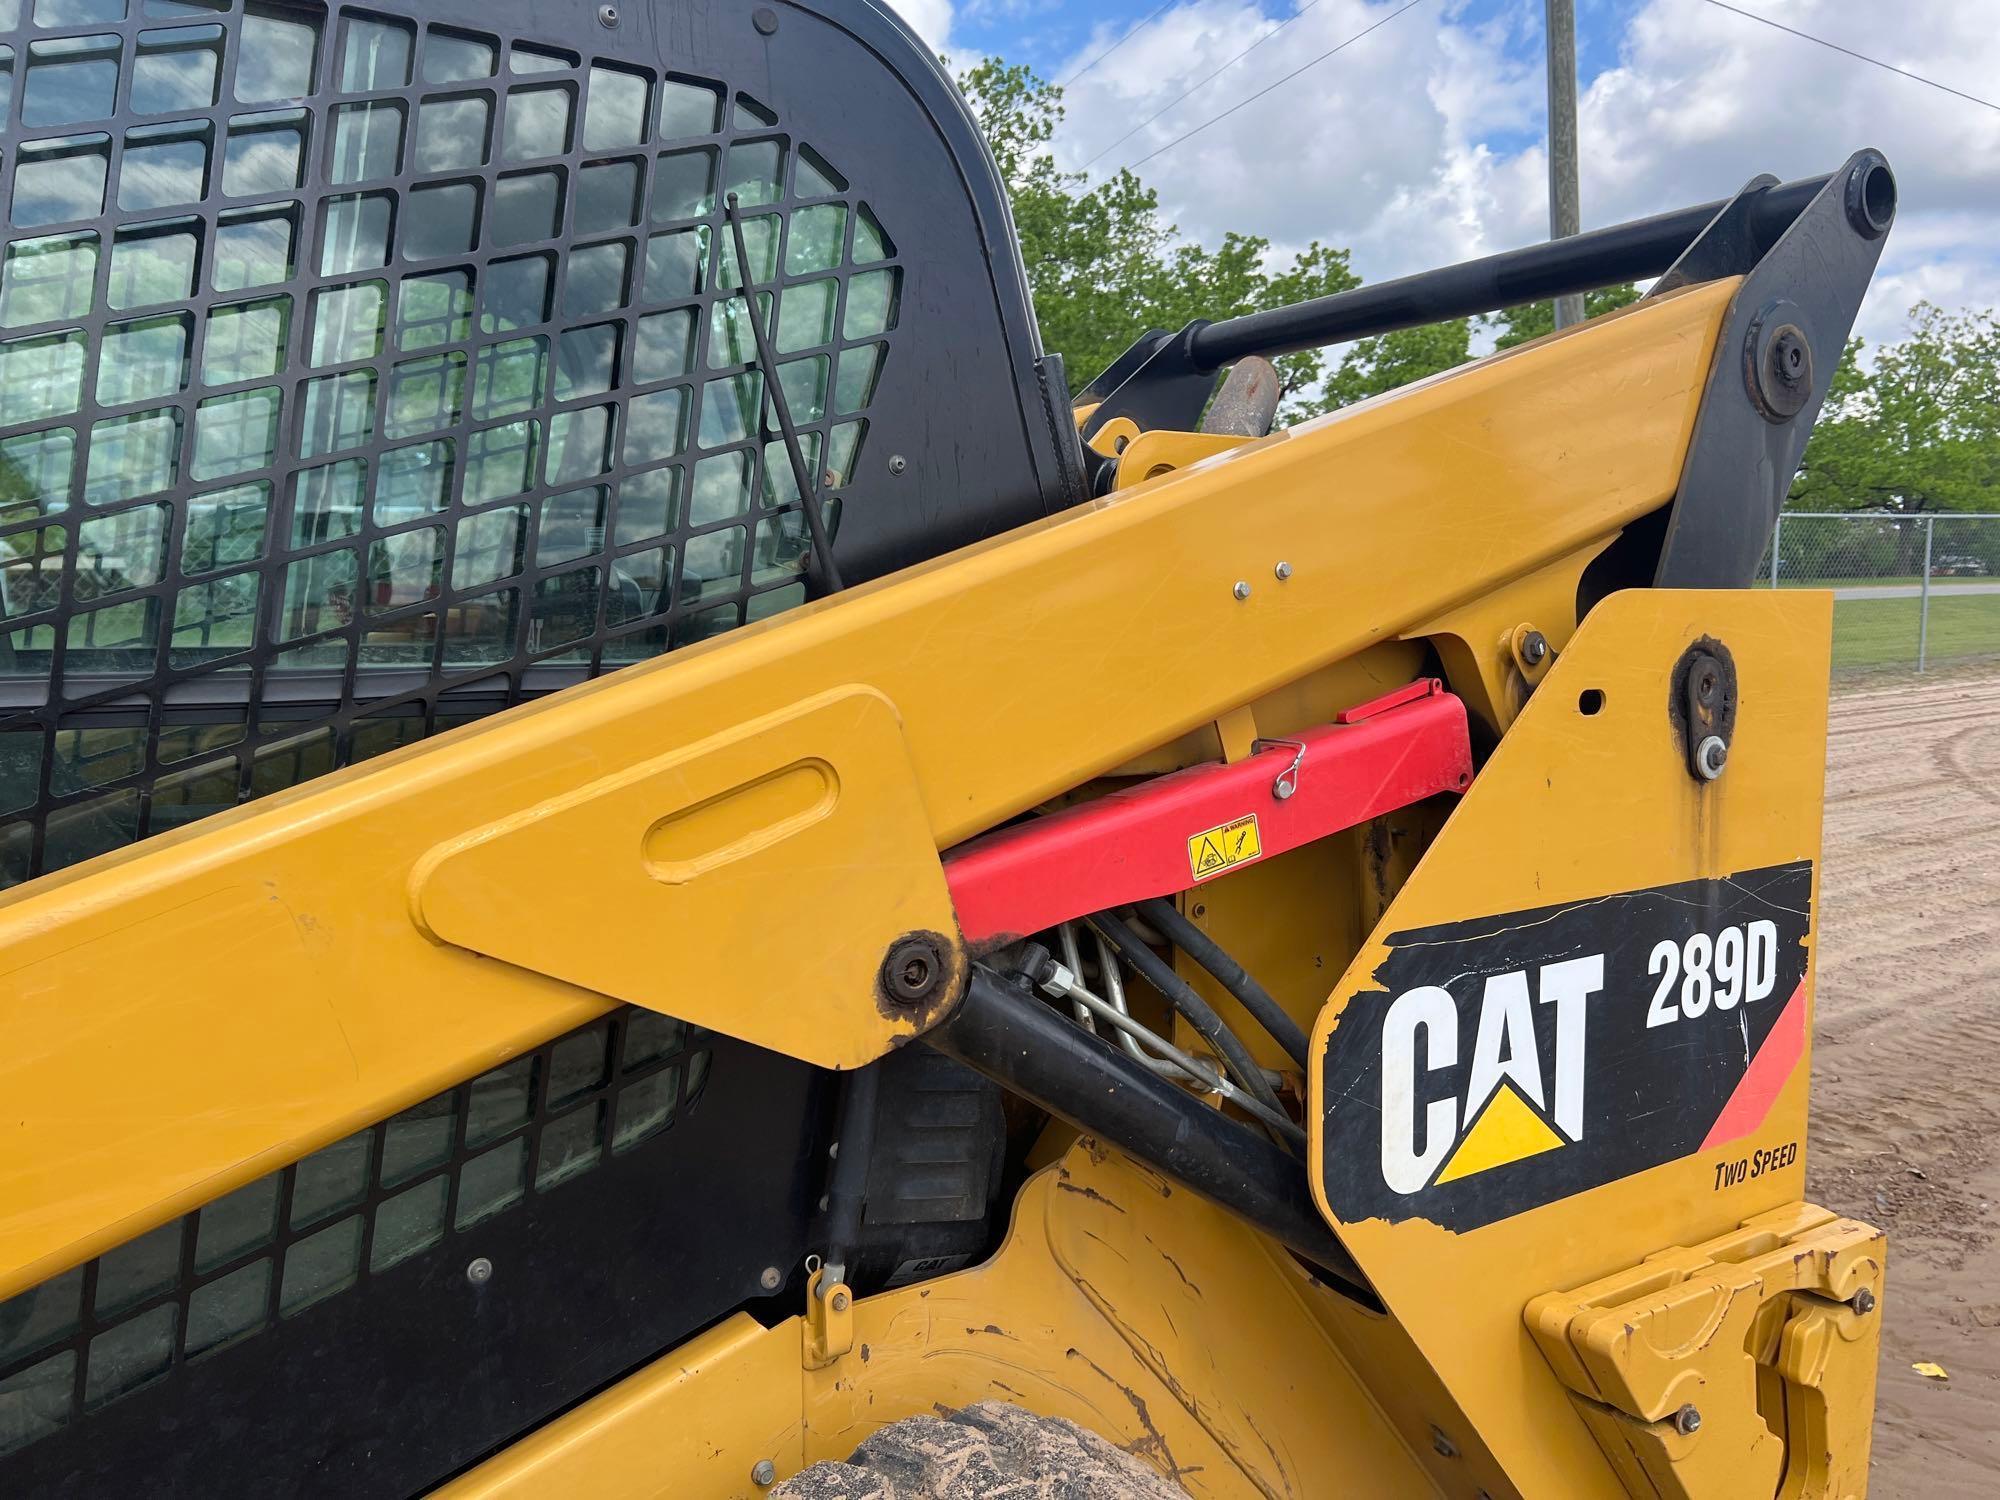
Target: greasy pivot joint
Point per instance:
(1778, 362)
(913, 971)
(1702, 706)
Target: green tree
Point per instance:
(1103, 263)
(1381, 363)
(1918, 430)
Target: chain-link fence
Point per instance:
(1910, 592)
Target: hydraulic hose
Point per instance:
(1232, 976)
(1040, 1054)
(1199, 1013)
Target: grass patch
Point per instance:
(1876, 633)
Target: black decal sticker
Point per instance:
(1512, 1060)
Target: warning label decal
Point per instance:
(1224, 848)
(1509, 1061)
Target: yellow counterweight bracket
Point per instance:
(1744, 1365)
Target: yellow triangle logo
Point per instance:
(1210, 857)
(1507, 1130)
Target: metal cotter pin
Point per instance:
(1288, 779)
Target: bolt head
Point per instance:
(480, 1271)
(1282, 571)
(1864, 1302)
(763, 1473)
(1687, 1421)
(1710, 756)
(913, 971)
(840, 1302)
(1242, 590)
(771, 1278)
(898, 463)
(607, 15)
(1779, 365)
(765, 20)
(1534, 648)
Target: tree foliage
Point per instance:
(1103, 263)
(1916, 430)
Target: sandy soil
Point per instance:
(1906, 1122)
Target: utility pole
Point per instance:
(1565, 212)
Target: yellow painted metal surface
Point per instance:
(1763, 1342)
(806, 823)
(1117, 1301)
(692, 1424)
(1587, 795)
(186, 1014)
(1153, 454)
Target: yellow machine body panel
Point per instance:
(1585, 1016)
(314, 962)
(1118, 1301)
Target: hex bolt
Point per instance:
(840, 1302)
(771, 1278)
(1687, 1421)
(1242, 590)
(763, 1473)
(607, 16)
(1864, 1302)
(480, 1271)
(1534, 648)
(1282, 571)
(898, 463)
(1710, 756)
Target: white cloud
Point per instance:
(929, 19)
(1417, 145)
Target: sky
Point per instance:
(1421, 143)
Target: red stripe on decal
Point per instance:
(1758, 1089)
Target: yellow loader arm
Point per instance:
(1292, 949)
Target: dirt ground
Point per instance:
(1906, 1104)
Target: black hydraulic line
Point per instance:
(1232, 976)
(847, 1192)
(822, 546)
(1200, 1014)
(1027, 1047)
(1579, 263)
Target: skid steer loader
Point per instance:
(638, 851)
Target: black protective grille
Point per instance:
(360, 376)
(358, 1209)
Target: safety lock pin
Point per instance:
(1288, 779)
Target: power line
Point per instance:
(1269, 87)
(1857, 56)
(1149, 20)
(1204, 83)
